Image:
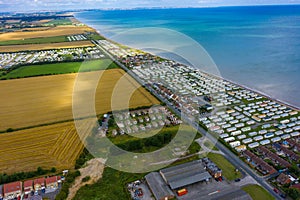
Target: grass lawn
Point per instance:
(59, 68)
(257, 192)
(40, 40)
(227, 168)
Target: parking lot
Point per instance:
(147, 195)
(208, 190)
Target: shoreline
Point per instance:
(287, 104)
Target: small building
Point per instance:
(283, 179)
(28, 186)
(52, 182)
(12, 190)
(241, 148)
(39, 184)
(235, 144)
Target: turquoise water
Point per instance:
(255, 46)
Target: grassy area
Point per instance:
(228, 169)
(96, 36)
(58, 22)
(210, 145)
(40, 40)
(111, 186)
(257, 192)
(59, 68)
(194, 148)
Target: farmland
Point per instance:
(39, 40)
(59, 45)
(59, 68)
(55, 31)
(47, 146)
(48, 99)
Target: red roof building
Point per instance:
(259, 163)
(39, 183)
(283, 179)
(51, 182)
(28, 186)
(12, 190)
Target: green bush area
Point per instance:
(41, 40)
(59, 68)
(257, 192)
(64, 192)
(112, 185)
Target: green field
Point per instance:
(58, 22)
(59, 68)
(228, 170)
(95, 36)
(41, 40)
(257, 192)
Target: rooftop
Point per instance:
(12, 187)
(185, 174)
(158, 186)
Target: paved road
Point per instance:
(239, 164)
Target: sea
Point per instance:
(255, 46)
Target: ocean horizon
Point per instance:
(255, 46)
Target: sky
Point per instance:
(39, 5)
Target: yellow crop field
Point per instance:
(48, 146)
(55, 31)
(40, 100)
(60, 45)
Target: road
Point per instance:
(235, 160)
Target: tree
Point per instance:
(294, 193)
(53, 170)
(40, 171)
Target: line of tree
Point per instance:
(158, 141)
(5, 178)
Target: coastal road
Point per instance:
(235, 160)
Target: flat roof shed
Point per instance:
(158, 186)
(185, 174)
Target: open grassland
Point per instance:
(51, 32)
(41, 100)
(48, 146)
(40, 40)
(59, 68)
(257, 192)
(59, 45)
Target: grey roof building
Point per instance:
(158, 186)
(185, 174)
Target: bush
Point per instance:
(86, 179)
